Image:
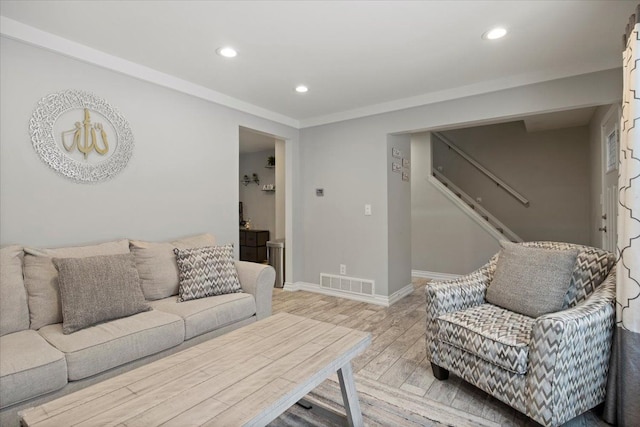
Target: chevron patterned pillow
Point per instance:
(205, 272)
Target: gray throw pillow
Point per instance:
(206, 272)
(531, 281)
(97, 289)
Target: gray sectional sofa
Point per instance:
(38, 362)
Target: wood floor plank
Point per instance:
(398, 373)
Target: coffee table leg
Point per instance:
(350, 396)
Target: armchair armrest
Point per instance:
(258, 280)
(461, 293)
(453, 295)
(570, 349)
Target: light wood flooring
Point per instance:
(397, 355)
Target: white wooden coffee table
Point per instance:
(247, 377)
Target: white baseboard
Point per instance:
(371, 299)
(432, 275)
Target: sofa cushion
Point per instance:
(14, 312)
(29, 367)
(97, 289)
(41, 277)
(156, 264)
(208, 314)
(492, 333)
(107, 345)
(205, 272)
(531, 281)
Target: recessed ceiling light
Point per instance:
(227, 52)
(495, 33)
(302, 89)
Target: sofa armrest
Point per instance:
(453, 295)
(570, 350)
(258, 280)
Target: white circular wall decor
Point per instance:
(81, 136)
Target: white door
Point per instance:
(610, 140)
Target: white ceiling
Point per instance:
(357, 57)
(559, 120)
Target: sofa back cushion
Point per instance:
(157, 266)
(14, 313)
(41, 277)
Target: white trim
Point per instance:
(33, 36)
(375, 299)
(479, 211)
(401, 293)
(291, 287)
(467, 210)
(449, 94)
(432, 275)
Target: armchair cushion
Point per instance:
(496, 335)
(531, 281)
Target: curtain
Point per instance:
(623, 394)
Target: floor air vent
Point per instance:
(352, 285)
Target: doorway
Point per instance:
(610, 142)
(261, 196)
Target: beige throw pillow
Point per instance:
(156, 264)
(97, 289)
(531, 281)
(41, 277)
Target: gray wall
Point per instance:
(280, 182)
(349, 159)
(550, 168)
(399, 217)
(182, 178)
(443, 238)
(259, 206)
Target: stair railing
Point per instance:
(500, 183)
(479, 210)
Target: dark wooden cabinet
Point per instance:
(253, 245)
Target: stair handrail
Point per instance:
(500, 183)
(478, 209)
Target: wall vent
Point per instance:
(352, 285)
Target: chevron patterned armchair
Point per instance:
(551, 368)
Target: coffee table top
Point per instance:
(248, 376)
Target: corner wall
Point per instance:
(550, 168)
(349, 159)
(399, 217)
(443, 239)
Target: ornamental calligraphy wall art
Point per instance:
(81, 136)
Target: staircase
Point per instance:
(468, 204)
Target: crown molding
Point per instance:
(24, 33)
(451, 94)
